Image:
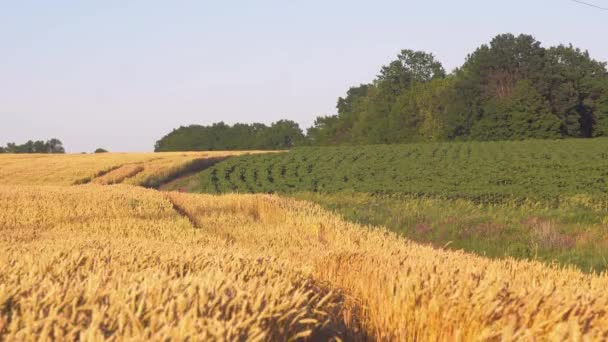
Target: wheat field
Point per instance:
(102, 168)
(97, 262)
(122, 263)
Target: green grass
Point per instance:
(538, 199)
(569, 234)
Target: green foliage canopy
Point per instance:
(283, 134)
(509, 89)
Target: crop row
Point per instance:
(484, 171)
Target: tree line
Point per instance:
(510, 89)
(283, 134)
(38, 146)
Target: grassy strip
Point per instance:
(571, 234)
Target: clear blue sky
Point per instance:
(121, 74)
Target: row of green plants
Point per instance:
(483, 172)
(537, 199)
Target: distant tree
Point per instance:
(384, 119)
(418, 114)
(599, 105)
(531, 115)
(524, 114)
(100, 150)
(28, 147)
(282, 134)
(420, 66)
(55, 146)
(511, 88)
(578, 87)
(38, 146)
(11, 148)
(346, 126)
(489, 76)
(384, 111)
(324, 130)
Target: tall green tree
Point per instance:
(55, 146)
(283, 134)
(599, 104)
(490, 74)
(524, 114)
(577, 89)
(380, 112)
(324, 131)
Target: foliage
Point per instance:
(101, 150)
(523, 115)
(38, 146)
(511, 89)
(569, 234)
(283, 134)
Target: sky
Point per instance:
(121, 74)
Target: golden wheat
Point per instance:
(95, 262)
(407, 291)
(119, 174)
(44, 169)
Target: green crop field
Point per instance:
(537, 199)
(480, 171)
